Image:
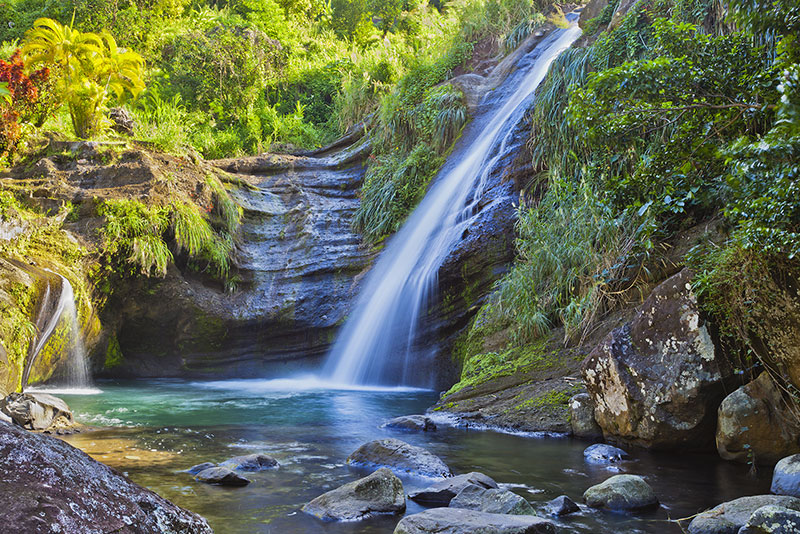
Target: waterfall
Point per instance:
(73, 370)
(375, 345)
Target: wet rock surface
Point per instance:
(379, 493)
(600, 453)
(37, 411)
(656, 382)
(786, 476)
(492, 500)
(562, 505)
(414, 423)
(729, 517)
(581, 418)
(772, 519)
(621, 492)
(47, 485)
(400, 457)
(221, 476)
(457, 521)
(251, 462)
(442, 492)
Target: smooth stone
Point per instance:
(581, 417)
(492, 500)
(200, 467)
(416, 423)
(441, 493)
(400, 457)
(460, 521)
(772, 519)
(786, 476)
(379, 493)
(562, 505)
(251, 462)
(729, 517)
(621, 492)
(221, 476)
(600, 453)
(36, 411)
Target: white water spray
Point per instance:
(375, 345)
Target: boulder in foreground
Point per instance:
(400, 457)
(772, 519)
(786, 476)
(492, 500)
(441, 493)
(47, 485)
(37, 411)
(621, 492)
(459, 521)
(379, 493)
(729, 517)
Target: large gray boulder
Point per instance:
(413, 423)
(379, 493)
(251, 462)
(755, 424)
(36, 411)
(492, 500)
(772, 519)
(47, 485)
(581, 417)
(601, 453)
(786, 476)
(621, 492)
(400, 457)
(729, 517)
(656, 381)
(459, 521)
(441, 493)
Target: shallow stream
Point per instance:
(153, 429)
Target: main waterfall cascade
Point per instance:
(376, 344)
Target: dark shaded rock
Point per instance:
(36, 411)
(221, 476)
(47, 485)
(562, 505)
(492, 500)
(621, 492)
(400, 457)
(772, 519)
(600, 453)
(199, 467)
(442, 492)
(459, 521)
(122, 121)
(656, 381)
(729, 517)
(754, 423)
(786, 476)
(251, 462)
(379, 493)
(581, 417)
(411, 422)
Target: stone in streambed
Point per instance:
(562, 505)
(729, 517)
(414, 423)
(37, 411)
(492, 500)
(772, 519)
(600, 453)
(251, 462)
(786, 477)
(621, 492)
(379, 493)
(221, 476)
(200, 467)
(400, 457)
(460, 521)
(441, 493)
(581, 417)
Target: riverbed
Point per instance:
(153, 429)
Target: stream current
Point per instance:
(151, 430)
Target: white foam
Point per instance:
(64, 391)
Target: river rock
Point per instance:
(562, 505)
(251, 462)
(600, 453)
(401, 457)
(656, 381)
(729, 517)
(379, 493)
(786, 476)
(200, 467)
(772, 519)
(621, 492)
(441, 493)
(492, 500)
(37, 411)
(47, 485)
(755, 424)
(221, 476)
(581, 417)
(411, 422)
(459, 521)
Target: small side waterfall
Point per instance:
(375, 346)
(58, 323)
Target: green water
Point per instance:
(154, 429)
